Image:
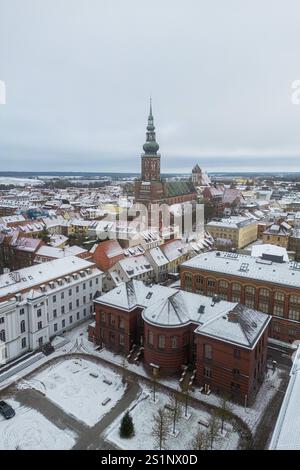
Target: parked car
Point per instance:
(6, 410)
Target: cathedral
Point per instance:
(151, 188)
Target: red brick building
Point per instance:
(118, 322)
(268, 284)
(226, 342)
(17, 252)
(107, 253)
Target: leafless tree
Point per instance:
(200, 441)
(213, 429)
(224, 409)
(185, 390)
(154, 379)
(161, 427)
(175, 407)
(124, 369)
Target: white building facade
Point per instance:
(42, 301)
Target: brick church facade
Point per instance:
(151, 188)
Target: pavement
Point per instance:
(88, 438)
(283, 356)
(264, 431)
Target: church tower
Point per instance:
(150, 159)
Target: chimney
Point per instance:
(232, 317)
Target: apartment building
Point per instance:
(41, 301)
(238, 231)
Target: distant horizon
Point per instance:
(8, 173)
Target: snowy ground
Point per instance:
(143, 412)
(19, 181)
(78, 387)
(80, 394)
(251, 415)
(29, 430)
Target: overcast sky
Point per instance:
(79, 74)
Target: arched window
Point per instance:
(223, 285)
(236, 287)
(279, 296)
(188, 282)
(264, 293)
(295, 299)
(199, 284)
(2, 335)
(211, 287)
(249, 290)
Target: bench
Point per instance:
(203, 422)
(107, 400)
(107, 382)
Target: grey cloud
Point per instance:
(79, 75)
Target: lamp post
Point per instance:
(186, 400)
(155, 369)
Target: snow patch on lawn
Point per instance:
(251, 415)
(29, 430)
(143, 411)
(79, 387)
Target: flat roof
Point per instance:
(27, 278)
(248, 267)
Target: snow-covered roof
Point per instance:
(135, 266)
(227, 321)
(272, 250)
(28, 278)
(174, 249)
(242, 325)
(247, 267)
(51, 252)
(108, 248)
(134, 294)
(58, 240)
(12, 219)
(157, 256)
(286, 435)
(184, 307)
(231, 222)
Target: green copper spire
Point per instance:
(151, 146)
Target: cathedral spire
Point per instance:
(151, 146)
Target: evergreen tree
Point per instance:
(126, 428)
